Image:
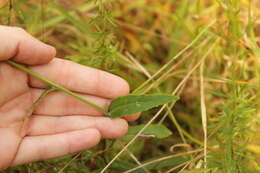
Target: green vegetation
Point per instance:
(205, 51)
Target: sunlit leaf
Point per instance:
(131, 104)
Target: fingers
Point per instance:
(13, 83)
(50, 146)
(22, 47)
(108, 128)
(134, 117)
(12, 112)
(81, 79)
(59, 104)
(9, 143)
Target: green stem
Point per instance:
(38, 101)
(56, 86)
(31, 109)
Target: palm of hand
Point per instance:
(60, 124)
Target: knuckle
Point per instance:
(18, 29)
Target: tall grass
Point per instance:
(206, 51)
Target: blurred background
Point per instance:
(205, 51)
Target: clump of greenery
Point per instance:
(206, 52)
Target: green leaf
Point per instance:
(158, 130)
(131, 104)
(217, 93)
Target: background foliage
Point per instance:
(205, 51)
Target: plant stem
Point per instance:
(31, 109)
(56, 86)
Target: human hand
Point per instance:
(60, 124)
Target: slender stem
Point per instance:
(31, 109)
(56, 86)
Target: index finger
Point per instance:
(79, 78)
(17, 44)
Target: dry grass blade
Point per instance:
(178, 166)
(138, 64)
(136, 160)
(185, 164)
(203, 112)
(176, 56)
(164, 76)
(74, 158)
(163, 158)
(133, 139)
(194, 68)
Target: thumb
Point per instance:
(20, 46)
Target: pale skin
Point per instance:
(60, 124)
